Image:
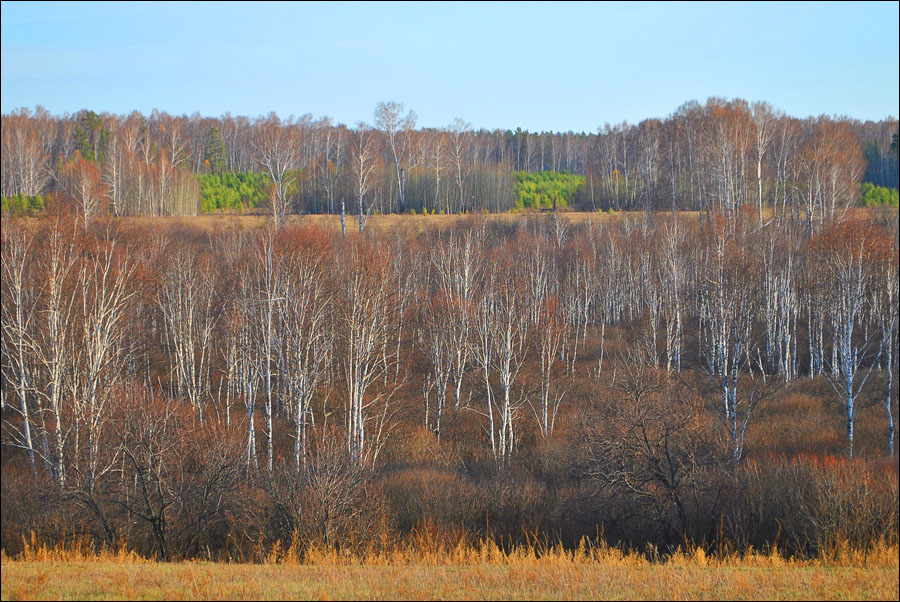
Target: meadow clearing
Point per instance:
(470, 573)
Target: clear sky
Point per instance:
(541, 66)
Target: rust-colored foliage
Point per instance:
(128, 457)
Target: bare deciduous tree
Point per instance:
(885, 309)
(459, 153)
(104, 282)
(18, 316)
(186, 297)
(728, 305)
(363, 166)
(848, 254)
(398, 129)
(653, 444)
(502, 330)
(57, 266)
(276, 150)
(363, 319)
(80, 179)
(308, 336)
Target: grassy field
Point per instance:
(380, 223)
(192, 581)
(417, 223)
(480, 573)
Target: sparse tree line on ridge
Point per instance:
(708, 157)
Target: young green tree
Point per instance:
(215, 152)
(91, 138)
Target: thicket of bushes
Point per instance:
(188, 494)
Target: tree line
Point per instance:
(703, 157)
(148, 375)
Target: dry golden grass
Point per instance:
(516, 580)
(460, 571)
(379, 223)
(413, 223)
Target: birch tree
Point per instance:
(547, 319)
(728, 306)
(362, 320)
(104, 282)
(673, 274)
(363, 169)
(885, 310)
(80, 180)
(459, 152)
(24, 158)
(244, 372)
(54, 337)
(502, 334)
(308, 336)
(458, 264)
(186, 297)
(276, 149)
(436, 339)
(847, 254)
(239, 338)
(781, 309)
(268, 299)
(398, 130)
(18, 317)
(765, 123)
(436, 154)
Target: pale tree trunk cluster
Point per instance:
(363, 321)
(66, 301)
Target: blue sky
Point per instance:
(541, 66)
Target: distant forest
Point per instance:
(714, 156)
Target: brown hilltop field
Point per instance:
(379, 223)
(418, 223)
